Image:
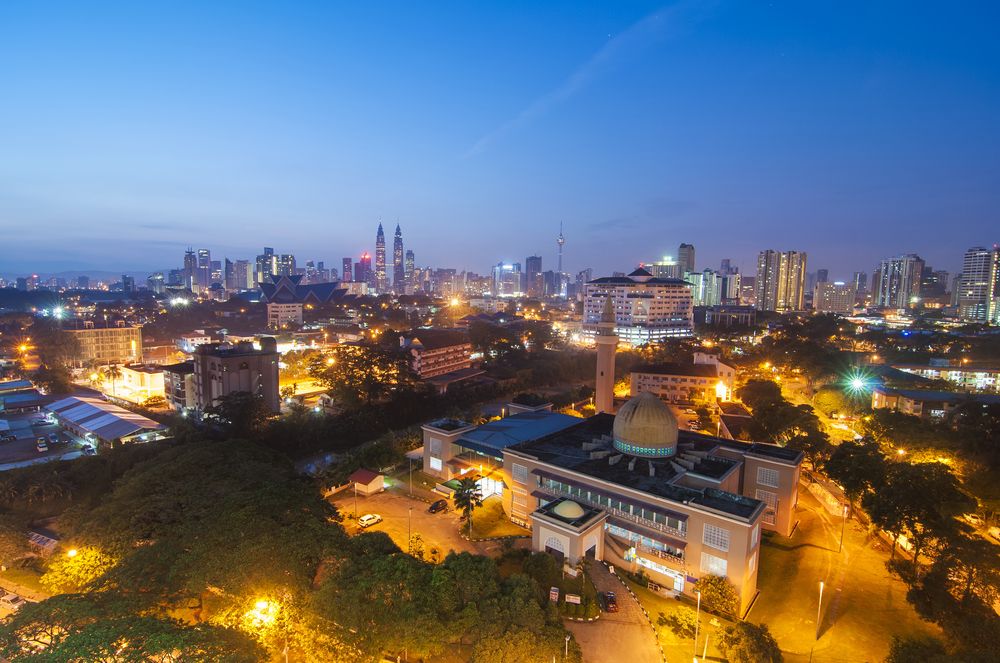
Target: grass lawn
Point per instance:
(25, 577)
(489, 520)
(675, 647)
(863, 606)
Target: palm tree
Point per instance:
(468, 498)
(113, 372)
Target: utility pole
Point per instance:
(843, 526)
(819, 608)
(697, 623)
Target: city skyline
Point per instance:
(639, 126)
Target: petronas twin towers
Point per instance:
(399, 276)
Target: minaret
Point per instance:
(381, 281)
(607, 342)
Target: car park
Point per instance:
(368, 520)
(440, 505)
(12, 602)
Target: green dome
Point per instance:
(645, 427)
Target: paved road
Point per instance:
(620, 636)
(438, 530)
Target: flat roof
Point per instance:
(695, 370)
(565, 449)
(104, 420)
(925, 395)
(515, 429)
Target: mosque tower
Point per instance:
(607, 343)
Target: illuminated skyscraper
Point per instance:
(398, 271)
(685, 257)
(781, 279)
(204, 276)
(381, 278)
(979, 287)
(348, 273)
(190, 270)
(363, 270)
(533, 276)
(408, 273)
(897, 282)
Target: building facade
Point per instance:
(706, 379)
(281, 315)
(834, 297)
(221, 369)
(780, 282)
(979, 286)
(108, 345)
(896, 282)
(646, 309)
(436, 352)
(178, 386)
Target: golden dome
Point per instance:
(568, 510)
(644, 426)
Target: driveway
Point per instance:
(400, 514)
(622, 636)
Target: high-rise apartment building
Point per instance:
(533, 284)
(835, 297)
(266, 266)
(780, 282)
(381, 278)
(706, 287)
(896, 282)
(243, 275)
(685, 257)
(398, 268)
(979, 287)
(347, 274)
(284, 265)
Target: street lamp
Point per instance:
(843, 526)
(697, 623)
(566, 650)
(72, 552)
(819, 608)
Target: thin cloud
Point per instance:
(638, 35)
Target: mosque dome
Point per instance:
(645, 427)
(568, 510)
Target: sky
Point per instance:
(853, 131)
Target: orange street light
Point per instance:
(71, 553)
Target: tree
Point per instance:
(76, 570)
(363, 373)
(113, 373)
(13, 539)
(859, 468)
(759, 393)
(242, 413)
(468, 498)
(744, 642)
(55, 379)
(718, 594)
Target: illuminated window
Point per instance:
(435, 464)
(520, 473)
(713, 565)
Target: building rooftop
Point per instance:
(104, 420)
(578, 449)
(927, 395)
(434, 339)
(693, 370)
(625, 280)
(180, 368)
(497, 435)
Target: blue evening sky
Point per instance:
(850, 130)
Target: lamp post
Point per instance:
(819, 609)
(843, 526)
(409, 536)
(566, 649)
(697, 623)
(411, 476)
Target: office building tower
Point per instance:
(668, 268)
(190, 270)
(647, 309)
(398, 268)
(933, 284)
(204, 273)
(822, 275)
(730, 288)
(363, 270)
(897, 282)
(408, 264)
(533, 285)
(229, 275)
(266, 266)
(836, 297)
(726, 267)
(156, 282)
(83, 282)
(706, 287)
(780, 282)
(215, 274)
(243, 275)
(507, 279)
(381, 278)
(128, 283)
(860, 280)
(979, 287)
(347, 273)
(685, 257)
(284, 265)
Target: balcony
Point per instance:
(624, 515)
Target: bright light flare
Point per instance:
(72, 552)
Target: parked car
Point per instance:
(369, 519)
(88, 450)
(12, 602)
(689, 411)
(610, 602)
(41, 445)
(53, 438)
(8, 437)
(440, 505)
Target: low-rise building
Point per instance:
(178, 386)
(706, 379)
(969, 377)
(139, 383)
(435, 352)
(925, 403)
(282, 315)
(104, 423)
(221, 369)
(108, 345)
